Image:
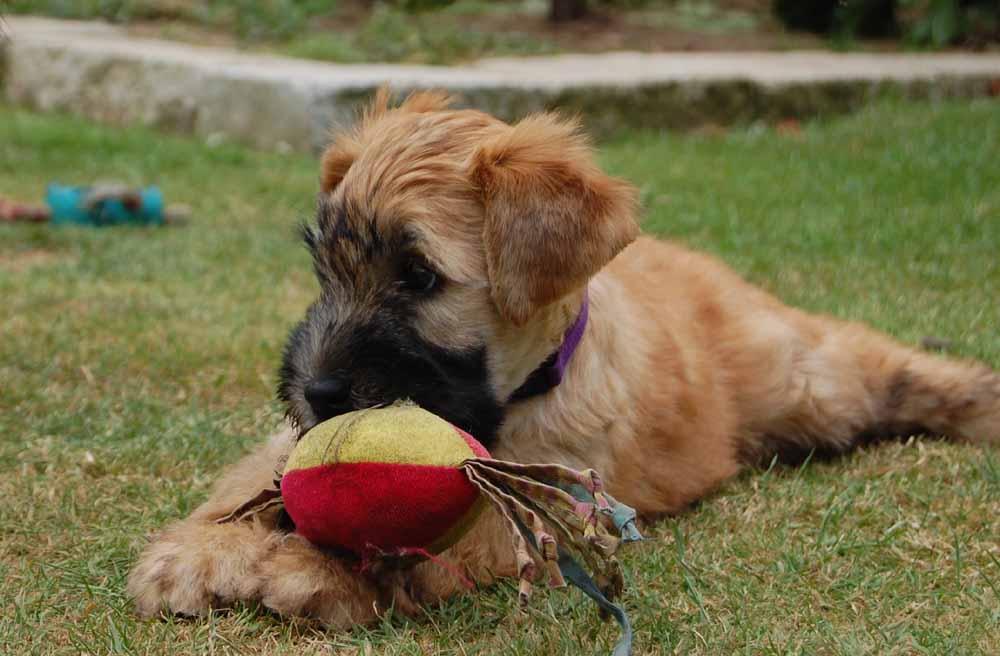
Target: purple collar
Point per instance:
(550, 373)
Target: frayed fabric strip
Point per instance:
(540, 502)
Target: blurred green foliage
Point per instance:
(418, 31)
(934, 23)
(248, 19)
(253, 19)
(422, 5)
(940, 23)
(696, 16)
(393, 34)
(450, 31)
(873, 18)
(111, 10)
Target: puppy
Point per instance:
(463, 262)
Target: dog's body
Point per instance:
(453, 252)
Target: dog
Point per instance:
(456, 254)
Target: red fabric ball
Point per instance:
(384, 507)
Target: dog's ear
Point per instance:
(553, 218)
(346, 146)
(337, 160)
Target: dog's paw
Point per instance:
(195, 566)
(299, 580)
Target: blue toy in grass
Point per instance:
(105, 205)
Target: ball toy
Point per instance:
(390, 486)
(383, 481)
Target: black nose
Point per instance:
(329, 396)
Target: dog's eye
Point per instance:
(419, 278)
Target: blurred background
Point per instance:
(453, 31)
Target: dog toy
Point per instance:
(101, 205)
(391, 486)
(349, 485)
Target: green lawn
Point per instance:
(135, 363)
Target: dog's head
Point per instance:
(452, 251)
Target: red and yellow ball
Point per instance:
(385, 480)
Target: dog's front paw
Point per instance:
(299, 580)
(194, 566)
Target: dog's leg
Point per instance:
(849, 384)
(197, 564)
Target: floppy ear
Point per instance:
(553, 218)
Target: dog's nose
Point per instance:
(329, 396)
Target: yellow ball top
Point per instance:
(402, 433)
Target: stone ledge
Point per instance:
(98, 71)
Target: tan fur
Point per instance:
(552, 217)
(685, 374)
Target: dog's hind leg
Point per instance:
(847, 384)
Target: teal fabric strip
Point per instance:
(576, 575)
(623, 516)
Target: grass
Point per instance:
(135, 363)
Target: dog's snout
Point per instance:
(329, 396)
